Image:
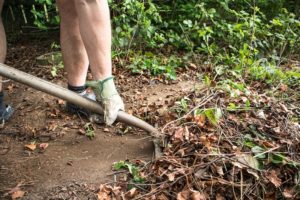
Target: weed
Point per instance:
(133, 170)
(89, 130)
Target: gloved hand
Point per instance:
(108, 96)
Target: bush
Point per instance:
(236, 34)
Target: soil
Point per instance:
(73, 165)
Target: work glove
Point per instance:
(107, 94)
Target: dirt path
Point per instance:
(72, 158)
(72, 161)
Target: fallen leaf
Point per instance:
(31, 146)
(10, 88)
(219, 197)
(197, 196)
(160, 197)
(43, 146)
(284, 107)
(276, 130)
(246, 160)
(17, 194)
(289, 193)
(131, 193)
(273, 178)
(81, 131)
(219, 170)
(179, 134)
(104, 192)
(261, 114)
(60, 102)
(171, 176)
(106, 130)
(201, 173)
(192, 65)
(184, 195)
(200, 120)
(283, 87)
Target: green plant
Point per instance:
(212, 114)
(45, 14)
(89, 130)
(241, 39)
(155, 65)
(133, 170)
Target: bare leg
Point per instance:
(95, 29)
(2, 41)
(74, 54)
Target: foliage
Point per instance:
(45, 14)
(89, 130)
(155, 65)
(133, 170)
(251, 38)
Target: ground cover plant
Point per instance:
(236, 135)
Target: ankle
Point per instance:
(77, 89)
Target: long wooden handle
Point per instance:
(60, 92)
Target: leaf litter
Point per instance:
(213, 152)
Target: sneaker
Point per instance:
(5, 114)
(74, 109)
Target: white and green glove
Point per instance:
(107, 94)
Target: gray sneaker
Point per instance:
(74, 109)
(5, 114)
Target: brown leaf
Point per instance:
(289, 193)
(246, 161)
(283, 87)
(60, 102)
(205, 141)
(171, 176)
(43, 146)
(17, 194)
(276, 130)
(219, 197)
(179, 134)
(273, 178)
(106, 130)
(201, 173)
(31, 146)
(284, 107)
(184, 195)
(81, 131)
(200, 120)
(10, 88)
(197, 196)
(218, 169)
(192, 65)
(104, 192)
(131, 193)
(161, 197)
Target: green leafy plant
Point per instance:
(155, 65)
(133, 170)
(89, 130)
(212, 114)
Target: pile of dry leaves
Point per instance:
(231, 144)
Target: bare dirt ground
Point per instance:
(72, 166)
